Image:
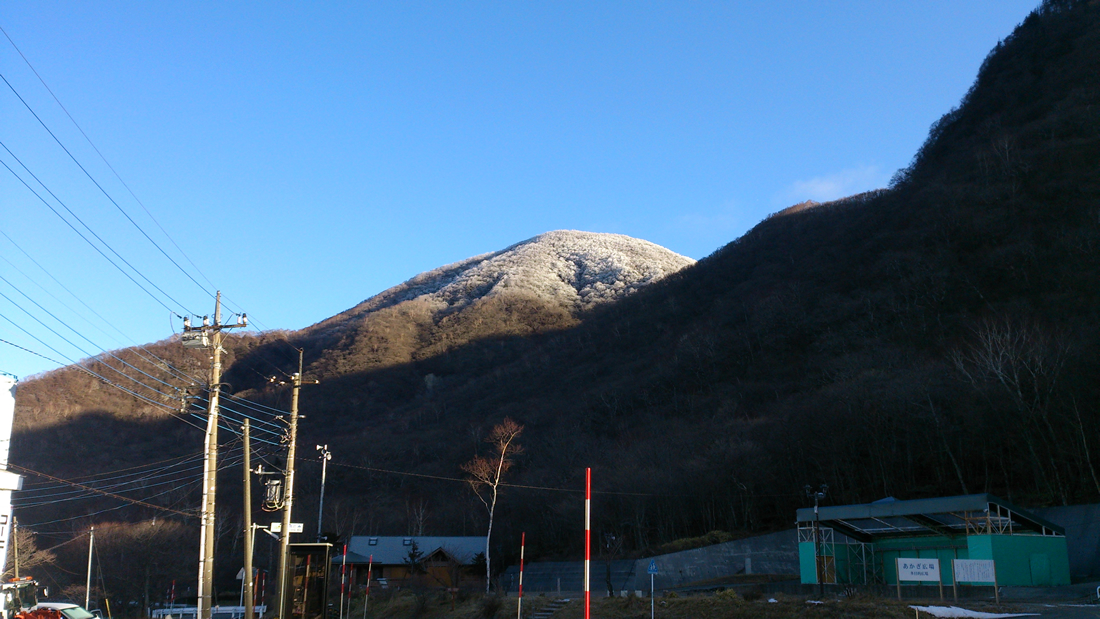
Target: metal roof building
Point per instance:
(858, 544)
(395, 550)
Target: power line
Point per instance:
(32, 352)
(257, 406)
(83, 494)
(103, 511)
(98, 186)
(86, 240)
(81, 368)
(104, 493)
(94, 147)
(54, 297)
(67, 340)
(179, 373)
(177, 461)
(29, 495)
(89, 491)
(112, 355)
(223, 407)
(505, 485)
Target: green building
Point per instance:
(859, 544)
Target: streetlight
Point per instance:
(325, 457)
(818, 553)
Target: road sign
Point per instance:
(652, 567)
(277, 527)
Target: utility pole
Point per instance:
(325, 457)
(249, 609)
(819, 554)
(209, 336)
(15, 544)
(288, 490)
(88, 582)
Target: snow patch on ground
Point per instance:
(954, 611)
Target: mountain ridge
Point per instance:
(628, 263)
(841, 343)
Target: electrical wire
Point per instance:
(79, 233)
(129, 471)
(502, 484)
(100, 187)
(14, 345)
(94, 147)
(82, 494)
(162, 363)
(104, 493)
(181, 374)
(86, 353)
(109, 509)
(89, 492)
(112, 355)
(223, 407)
(87, 370)
(77, 366)
(26, 494)
(256, 406)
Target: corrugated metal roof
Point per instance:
(938, 516)
(395, 550)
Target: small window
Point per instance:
(407, 541)
(372, 541)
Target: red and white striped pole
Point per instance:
(587, 540)
(343, 579)
(519, 605)
(366, 595)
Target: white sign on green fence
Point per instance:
(974, 571)
(920, 570)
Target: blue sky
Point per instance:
(306, 156)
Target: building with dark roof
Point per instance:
(435, 562)
(860, 544)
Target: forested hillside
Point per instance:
(937, 337)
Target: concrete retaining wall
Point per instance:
(775, 553)
(1082, 525)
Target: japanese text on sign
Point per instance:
(973, 571)
(919, 569)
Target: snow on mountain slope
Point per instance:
(578, 270)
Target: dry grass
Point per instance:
(724, 605)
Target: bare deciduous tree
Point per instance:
(484, 474)
(30, 555)
(1026, 363)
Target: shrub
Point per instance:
(490, 606)
(728, 595)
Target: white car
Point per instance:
(68, 611)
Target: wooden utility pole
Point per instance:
(288, 490)
(209, 336)
(88, 582)
(249, 609)
(15, 544)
